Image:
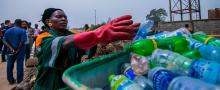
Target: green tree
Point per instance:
(157, 15)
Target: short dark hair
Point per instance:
(186, 25)
(47, 14)
(86, 26)
(18, 22)
(35, 25)
(7, 21)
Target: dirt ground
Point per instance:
(4, 85)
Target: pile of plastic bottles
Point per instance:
(175, 60)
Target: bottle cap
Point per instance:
(111, 77)
(179, 34)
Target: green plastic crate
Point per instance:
(95, 73)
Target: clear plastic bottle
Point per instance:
(208, 52)
(161, 78)
(170, 60)
(165, 34)
(159, 35)
(188, 83)
(143, 30)
(199, 32)
(143, 82)
(181, 32)
(120, 82)
(139, 64)
(206, 70)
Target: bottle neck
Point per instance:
(203, 38)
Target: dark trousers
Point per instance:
(19, 58)
(27, 51)
(4, 50)
(1, 44)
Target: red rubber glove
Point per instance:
(121, 28)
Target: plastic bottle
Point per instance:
(208, 52)
(192, 54)
(158, 35)
(170, 60)
(143, 30)
(139, 64)
(199, 32)
(145, 83)
(161, 78)
(205, 70)
(207, 39)
(188, 83)
(120, 82)
(145, 47)
(165, 34)
(127, 71)
(181, 32)
(176, 43)
(164, 79)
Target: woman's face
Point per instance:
(58, 20)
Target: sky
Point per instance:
(80, 12)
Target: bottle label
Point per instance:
(205, 70)
(196, 45)
(155, 43)
(162, 79)
(121, 84)
(129, 73)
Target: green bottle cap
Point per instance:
(111, 77)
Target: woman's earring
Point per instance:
(50, 24)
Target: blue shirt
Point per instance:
(14, 36)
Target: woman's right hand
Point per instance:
(121, 28)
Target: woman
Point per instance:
(59, 49)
